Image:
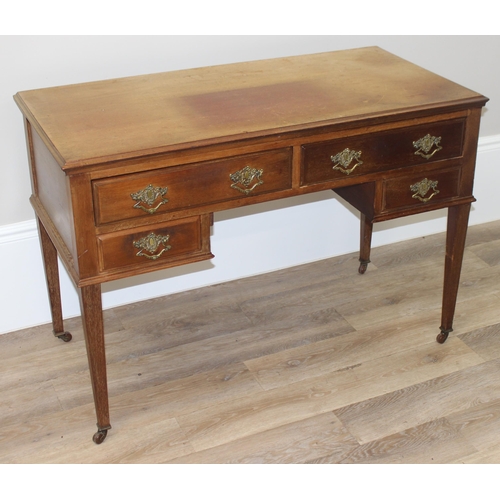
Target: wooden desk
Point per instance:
(127, 173)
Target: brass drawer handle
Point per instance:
(246, 179)
(422, 188)
(148, 196)
(343, 159)
(150, 244)
(425, 144)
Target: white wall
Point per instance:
(266, 237)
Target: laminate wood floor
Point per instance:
(313, 364)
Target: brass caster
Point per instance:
(100, 436)
(362, 266)
(441, 338)
(65, 337)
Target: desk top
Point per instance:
(129, 117)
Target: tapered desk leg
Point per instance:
(458, 218)
(49, 255)
(91, 305)
(366, 231)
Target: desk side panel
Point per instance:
(52, 198)
(470, 152)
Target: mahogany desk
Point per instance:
(127, 173)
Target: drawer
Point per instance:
(189, 186)
(423, 190)
(162, 245)
(369, 153)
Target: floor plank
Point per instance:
(297, 442)
(416, 404)
(485, 341)
(435, 442)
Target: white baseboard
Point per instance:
(247, 241)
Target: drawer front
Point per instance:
(421, 190)
(161, 245)
(190, 186)
(369, 153)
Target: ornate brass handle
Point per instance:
(422, 188)
(247, 179)
(343, 159)
(425, 144)
(149, 196)
(150, 244)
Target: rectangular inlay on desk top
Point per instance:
(130, 117)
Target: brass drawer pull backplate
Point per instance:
(247, 179)
(422, 188)
(150, 244)
(343, 159)
(425, 144)
(150, 196)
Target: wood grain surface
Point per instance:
(159, 112)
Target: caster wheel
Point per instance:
(99, 436)
(441, 338)
(65, 337)
(363, 266)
